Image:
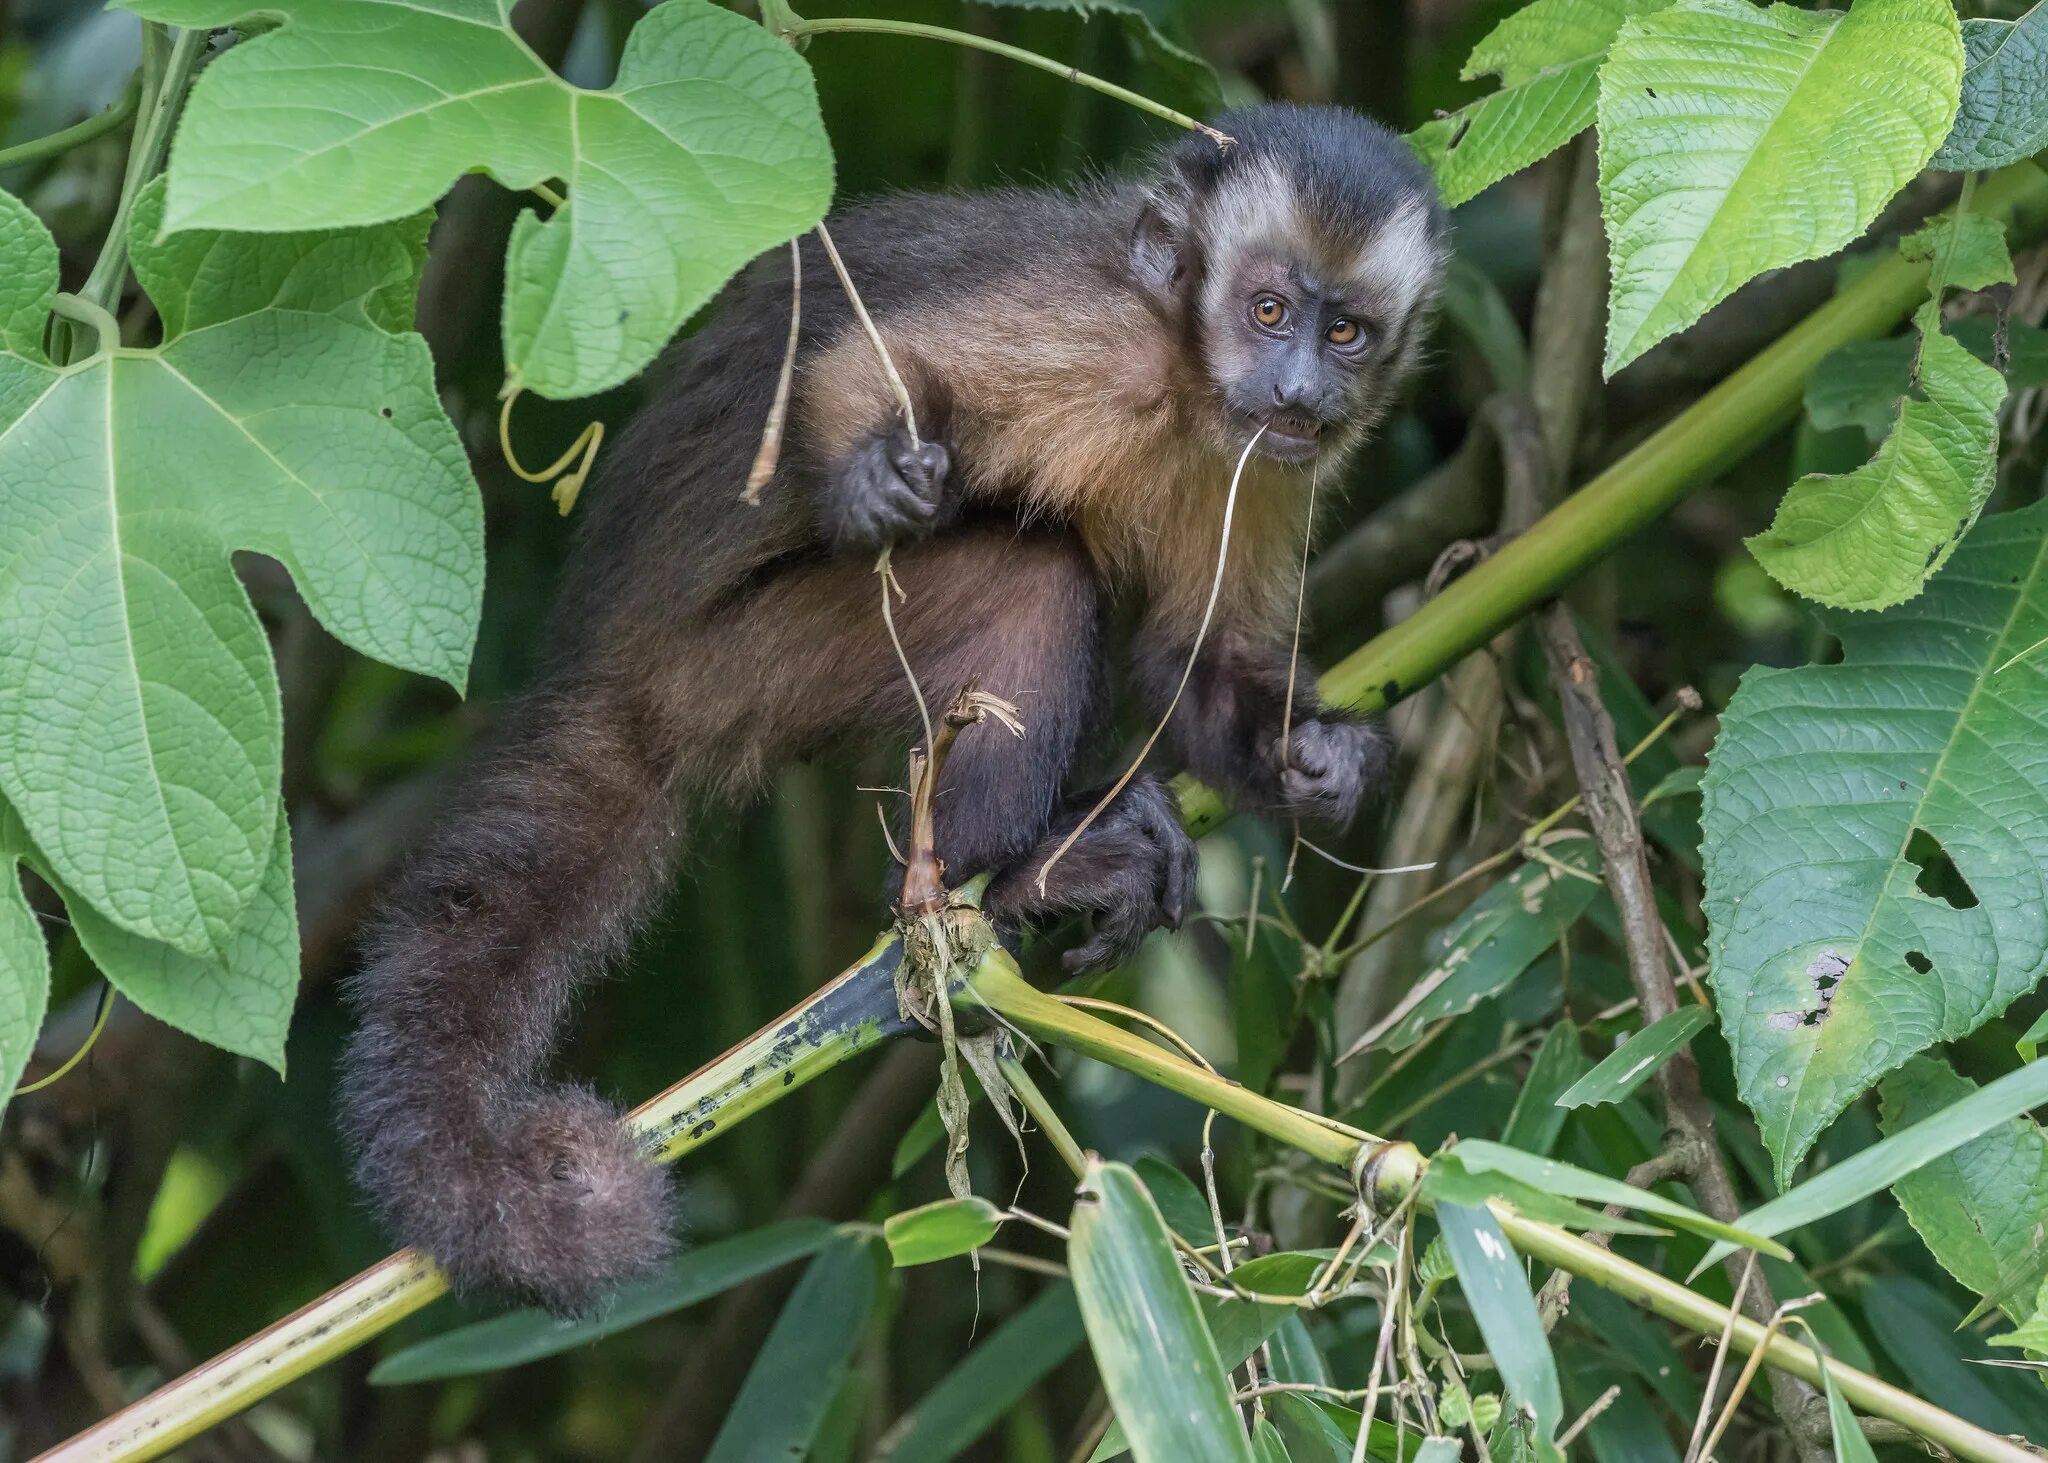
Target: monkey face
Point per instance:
(1304, 258)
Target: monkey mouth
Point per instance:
(1291, 436)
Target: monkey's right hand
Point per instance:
(1133, 870)
(886, 490)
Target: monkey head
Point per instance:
(1300, 262)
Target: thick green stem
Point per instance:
(161, 103)
(862, 25)
(1679, 459)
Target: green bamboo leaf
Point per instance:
(1536, 1119)
(1186, 1211)
(1499, 935)
(1450, 1182)
(527, 1335)
(1850, 1444)
(1547, 56)
(1895, 1157)
(2004, 112)
(1979, 1207)
(139, 693)
(1239, 1328)
(1636, 1060)
(1158, 1361)
(1721, 121)
(1267, 1444)
(1877, 838)
(1563, 1180)
(972, 1397)
(1490, 1274)
(941, 1230)
(1439, 1450)
(706, 150)
(1295, 1356)
(1918, 1327)
(794, 1381)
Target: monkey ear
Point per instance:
(1156, 262)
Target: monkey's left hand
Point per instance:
(888, 489)
(1326, 768)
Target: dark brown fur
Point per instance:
(1061, 348)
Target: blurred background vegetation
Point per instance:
(167, 1199)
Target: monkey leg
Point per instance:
(531, 882)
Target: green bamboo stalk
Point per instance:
(1680, 458)
(852, 1014)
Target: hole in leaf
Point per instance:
(1652, 91)
(1457, 137)
(1939, 877)
(1919, 961)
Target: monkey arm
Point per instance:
(1229, 723)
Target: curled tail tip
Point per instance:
(554, 1205)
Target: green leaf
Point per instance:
(1158, 1361)
(972, 1397)
(1967, 252)
(1918, 1328)
(1877, 838)
(1490, 1274)
(1186, 1211)
(2004, 112)
(1735, 139)
(2032, 1335)
(137, 696)
(1979, 1207)
(1869, 539)
(1294, 1354)
(1548, 1175)
(1152, 38)
(1547, 56)
(791, 1387)
(1860, 384)
(24, 957)
(528, 1335)
(28, 282)
(1239, 1327)
(240, 993)
(1499, 936)
(1536, 1119)
(2029, 1044)
(1267, 1444)
(1850, 1444)
(1636, 1060)
(941, 1230)
(706, 150)
(1895, 1157)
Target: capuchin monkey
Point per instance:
(1086, 368)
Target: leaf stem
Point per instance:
(866, 25)
(76, 135)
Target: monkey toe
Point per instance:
(1328, 767)
(1139, 867)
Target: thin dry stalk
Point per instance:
(770, 453)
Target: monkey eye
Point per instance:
(1269, 311)
(1345, 332)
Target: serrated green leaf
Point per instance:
(1895, 1157)
(1860, 384)
(1637, 1060)
(1547, 55)
(2004, 111)
(791, 1387)
(139, 722)
(942, 1230)
(1967, 253)
(1499, 936)
(1980, 1206)
(706, 150)
(24, 961)
(1158, 1362)
(1735, 139)
(528, 1335)
(1841, 942)
(2031, 1335)
(1490, 1274)
(28, 278)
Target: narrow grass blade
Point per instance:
(1636, 1060)
(1490, 1273)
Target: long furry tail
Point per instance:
(532, 881)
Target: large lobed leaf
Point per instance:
(1735, 139)
(1547, 56)
(1877, 837)
(706, 150)
(139, 722)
